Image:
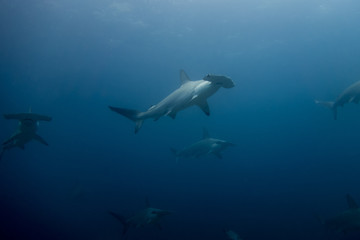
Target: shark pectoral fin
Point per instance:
(40, 139)
(172, 115)
(205, 107)
(12, 138)
(218, 155)
(330, 105)
(138, 125)
(122, 220)
(158, 225)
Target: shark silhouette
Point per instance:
(28, 125)
(206, 145)
(349, 95)
(346, 221)
(146, 216)
(188, 94)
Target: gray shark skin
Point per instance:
(349, 95)
(232, 235)
(28, 125)
(205, 146)
(346, 221)
(147, 216)
(188, 94)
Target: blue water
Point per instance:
(70, 59)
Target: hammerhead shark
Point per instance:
(188, 94)
(349, 95)
(146, 216)
(28, 125)
(346, 221)
(206, 145)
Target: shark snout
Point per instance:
(228, 83)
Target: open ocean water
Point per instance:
(71, 59)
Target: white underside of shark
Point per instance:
(349, 95)
(188, 94)
(28, 125)
(205, 146)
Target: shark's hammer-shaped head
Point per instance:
(154, 214)
(221, 81)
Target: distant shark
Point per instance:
(346, 221)
(28, 125)
(349, 95)
(147, 216)
(188, 94)
(232, 235)
(206, 145)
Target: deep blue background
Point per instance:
(70, 59)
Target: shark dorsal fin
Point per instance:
(351, 202)
(184, 78)
(205, 133)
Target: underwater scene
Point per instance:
(180, 119)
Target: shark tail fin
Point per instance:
(133, 115)
(329, 105)
(122, 220)
(351, 202)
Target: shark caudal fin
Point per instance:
(329, 105)
(122, 220)
(133, 115)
